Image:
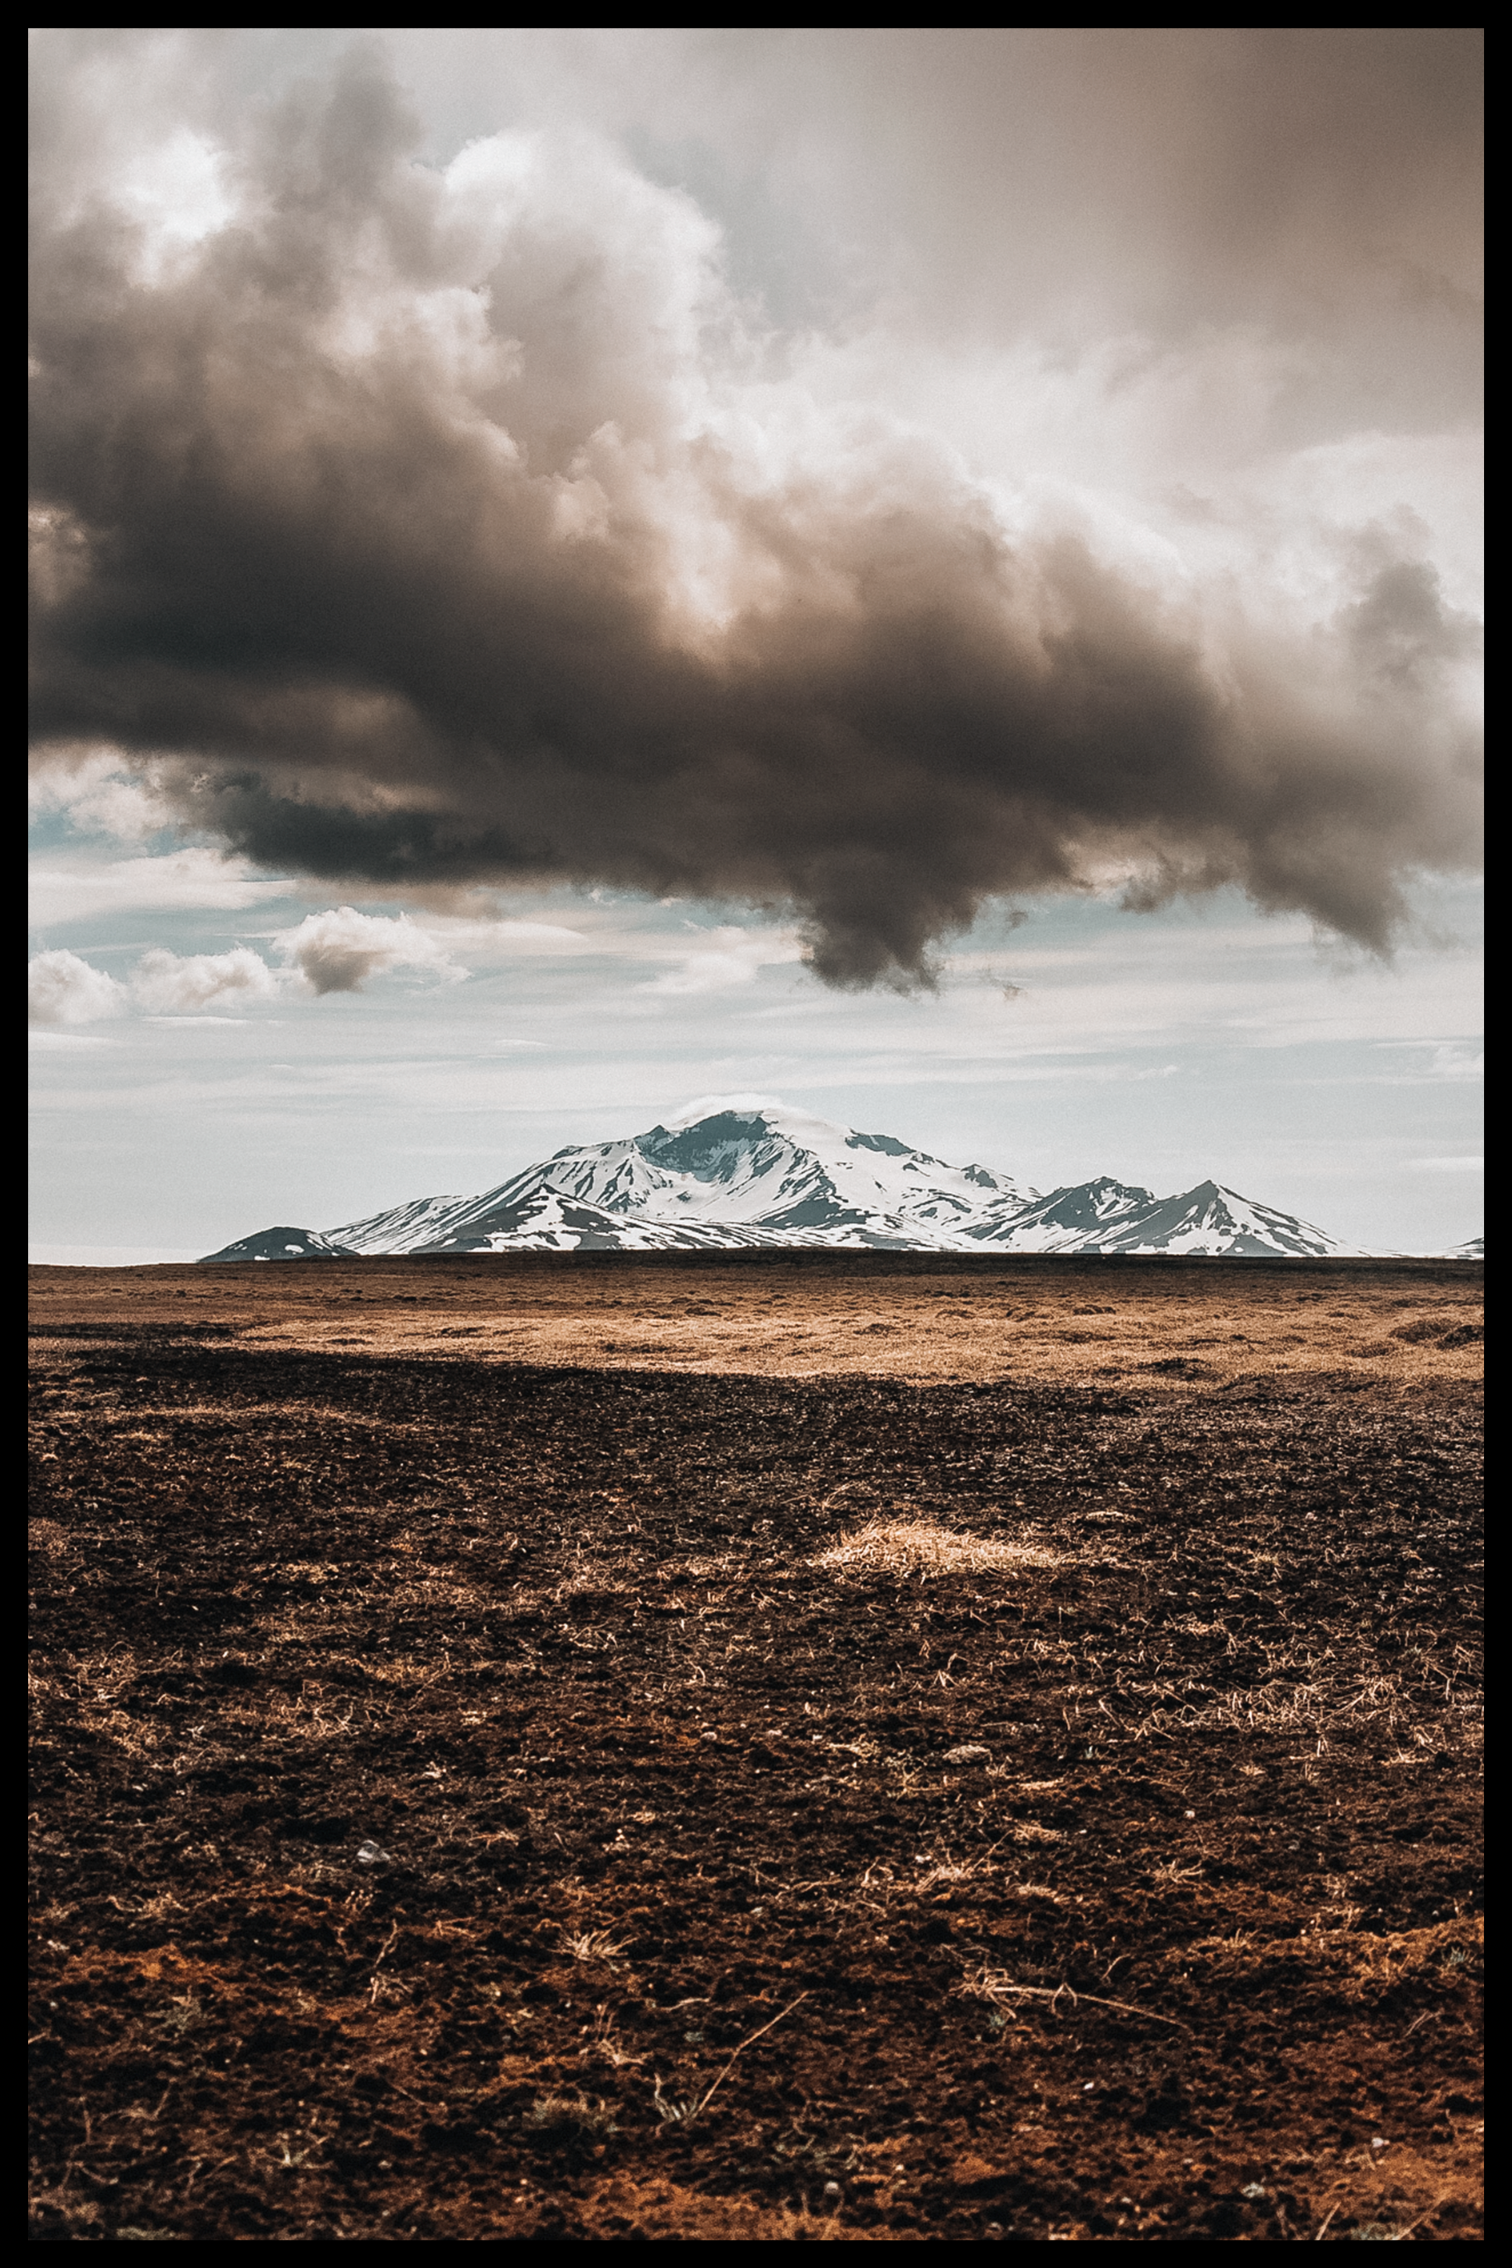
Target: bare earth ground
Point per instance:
(499, 1732)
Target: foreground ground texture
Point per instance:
(1028, 1791)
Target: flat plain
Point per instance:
(828, 1748)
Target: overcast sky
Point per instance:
(933, 575)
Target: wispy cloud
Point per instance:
(719, 960)
(68, 889)
(46, 1041)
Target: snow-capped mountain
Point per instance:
(1107, 1216)
(768, 1176)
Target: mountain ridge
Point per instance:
(763, 1176)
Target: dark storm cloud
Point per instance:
(421, 530)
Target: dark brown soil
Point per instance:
(676, 1918)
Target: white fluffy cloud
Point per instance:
(173, 984)
(62, 989)
(339, 950)
(98, 796)
(335, 951)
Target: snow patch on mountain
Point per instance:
(403, 1228)
(284, 1244)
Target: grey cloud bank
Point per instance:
(425, 528)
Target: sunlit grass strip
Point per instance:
(922, 1547)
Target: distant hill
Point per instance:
(283, 1244)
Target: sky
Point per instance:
(934, 576)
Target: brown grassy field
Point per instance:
(1040, 1320)
(846, 1749)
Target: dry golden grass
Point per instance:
(921, 1547)
(1171, 1327)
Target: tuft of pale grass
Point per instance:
(572, 2113)
(922, 1547)
(593, 1944)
